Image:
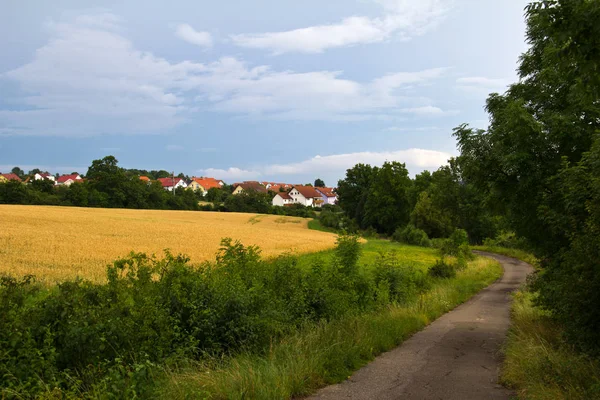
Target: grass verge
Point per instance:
(514, 253)
(325, 353)
(539, 365)
(420, 257)
(316, 225)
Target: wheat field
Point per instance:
(58, 243)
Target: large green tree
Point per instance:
(387, 206)
(536, 159)
(353, 191)
(106, 176)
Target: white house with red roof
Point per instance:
(68, 180)
(327, 194)
(44, 175)
(306, 195)
(172, 183)
(282, 199)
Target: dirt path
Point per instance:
(456, 357)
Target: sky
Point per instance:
(285, 91)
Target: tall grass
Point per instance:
(539, 365)
(326, 352)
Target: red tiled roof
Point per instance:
(253, 185)
(64, 178)
(284, 196)
(144, 178)
(168, 182)
(308, 191)
(11, 177)
(207, 183)
(328, 192)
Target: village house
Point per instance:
(204, 184)
(306, 195)
(282, 199)
(44, 175)
(327, 194)
(9, 177)
(172, 183)
(144, 179)
(68, 180)
(249, 186)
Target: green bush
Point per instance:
(456, 245)
(333, 217)
(442, 269)
(506, 239)
(411, 235)
(401, 282)
(438, 243)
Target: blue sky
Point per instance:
(239, 90)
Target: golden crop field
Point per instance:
(56, 243)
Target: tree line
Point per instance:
(105, 185)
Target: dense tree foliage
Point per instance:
(538, 161)
(353, 191)
(387, 205)
(319, 183)
(386, 199)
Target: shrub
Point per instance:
(331, 217)
(438, 243)
(411, 235)
(441, 269)
(347, 253)
(401, 282)
(506, 239)
(457, 245)
(370, 232)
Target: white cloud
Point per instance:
(415, 159)
(90, 80)
(230, 174)
(402, 18)
(429, 111)
(190, 35)
(419, 158)
(480, 85)
(321, 95)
